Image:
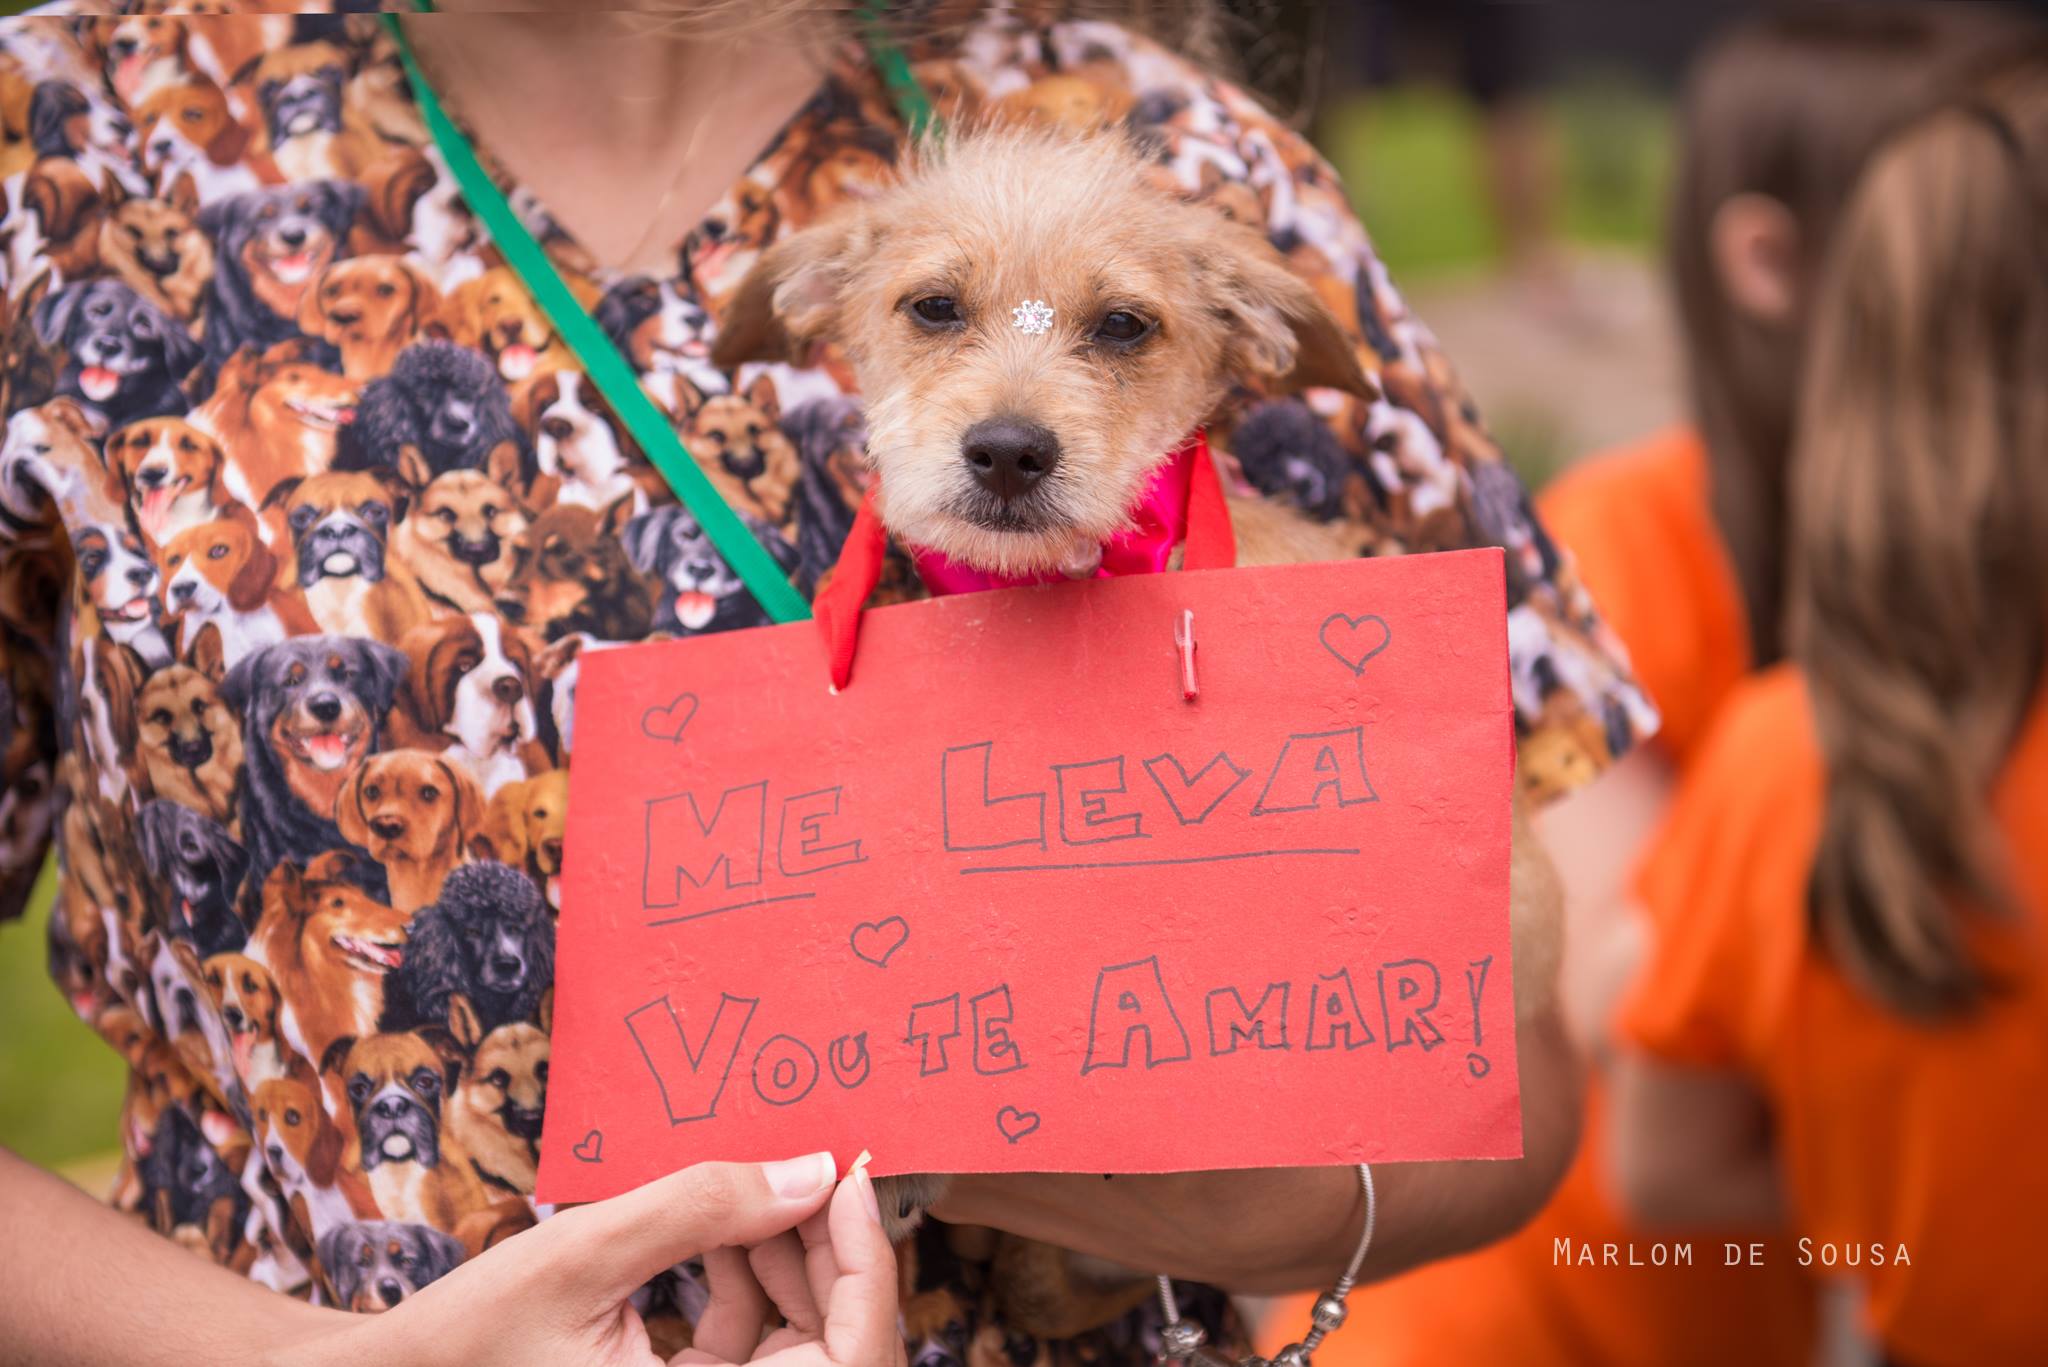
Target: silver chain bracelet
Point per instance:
(1184, 1340)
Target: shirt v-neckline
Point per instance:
(848, 69)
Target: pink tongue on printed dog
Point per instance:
(516, 362)
(98, 382)
(695, 610)
(327, 751)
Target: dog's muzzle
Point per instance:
(337, 546)
(397, 1129)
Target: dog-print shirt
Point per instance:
(307, 514)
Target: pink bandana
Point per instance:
(1158, 522)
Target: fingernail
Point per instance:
(795, 1178)
(866, 1186)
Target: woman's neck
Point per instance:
(627, 133)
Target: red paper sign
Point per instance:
(1009, 903)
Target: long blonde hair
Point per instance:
(1919, 555)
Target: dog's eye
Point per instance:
(359, 1088)
(447, 515)
(374, 513)
(498, 1078)
(490, 512)
(540, 1070)
(296, 674)
(425, 1082)
(937, 311)
(373, 792)
(160, 717)
(385, 289)
(303, 516)
(429, 793)
(291, 1115)
(216, 552)
(1122, 328)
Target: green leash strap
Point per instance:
(602, 362)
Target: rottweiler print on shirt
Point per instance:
(307, 515)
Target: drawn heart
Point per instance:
(1354, 640)
(1015, 1124)
(668, 723)
(591, 1150)
(876, 941)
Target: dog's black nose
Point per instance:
(1009, 456)
(183, 590)
(390, 1107)
(326, 707)
(507, 689)
(193, 752)
(141, 575)
(292, 235)
(149, 476)
(390, 1292)
(505, 968)
(387, 827)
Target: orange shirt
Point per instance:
(1638, 523)
(1887, 1133)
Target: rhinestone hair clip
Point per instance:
(1033, 316)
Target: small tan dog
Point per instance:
(1035, 324)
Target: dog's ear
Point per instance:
(114, 470)
(505, 829)
(790, 299)
(397, 489)
(761, 394)
(463, 1023)
(336, 1055)
(396, 184)
(282, 490)
(348, 809)
(205, 652)
(187, 958)
(238, 685)
(469, 802)
(482, 847)
(426, 295)
(505, 468)
(412, 466)
(323, 1159)
(227, 147)
(53, 315)
(312, 315)
(1280, 330)
(344, 200)
(385, 667)
(616, 515)
(183, 194)
(250, 588)
(181, 353)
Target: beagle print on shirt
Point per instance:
(308, 516)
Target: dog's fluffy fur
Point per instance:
(489, 938)
(992, 219)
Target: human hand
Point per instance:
(775, 1235)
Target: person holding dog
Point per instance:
(657, 157)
